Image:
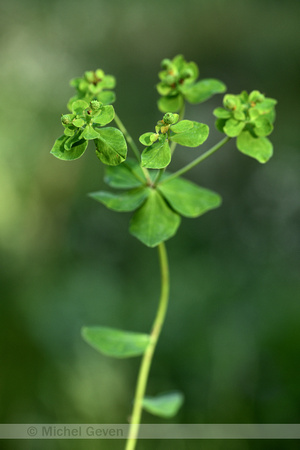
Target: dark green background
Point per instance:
(231, 342)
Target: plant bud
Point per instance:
(230, 101)
(95, 105)
(256, 97)
(65, 119)
(169, 118)
(186, 73)
(165, 64)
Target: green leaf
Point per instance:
(111, 146)
(154, 222)
(78, 123)
(145, 138)
(266, 106)
(89, 133)
(115, 343)
(79, 106)
(222, 113)
(262, 127)
(182, 126)
(259, 148)
(106, 115)
(233, 127)
(164, 405)
(77, 150)
(157, 156)
(203, 90)
(219, 124)
(192, 137)
(106, 97)
(170, 104)
(72, 140)
(122, 202)
(125, 176)
(187, 198)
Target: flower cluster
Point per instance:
(93, 85)
(178, 83)
(254, 112)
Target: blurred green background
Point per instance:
(231, 342)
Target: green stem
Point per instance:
(132, 145)
(128, 138)
(181, 116)
(148, 355)
(197, 160)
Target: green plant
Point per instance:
(157, 197)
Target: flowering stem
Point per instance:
(128, 138)
(148, 355)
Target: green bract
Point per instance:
(178, 83)
(249, 118)
(84, 125)
(188, 133)
(94, 85)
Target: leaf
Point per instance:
(259, 148)
(219, 124)
(182, 126)
(122, 202)
(106, 115)
(154, 222)
(187, 198)
(157, 156)
(145, 138)
(170, 104)
(78, 123)
(90, 133)
(203, 90)
(164, 405)
(116, 343)
(71, 141)
(221, 113)
(106, 97)
(79, 106)
(192, 137)
(127, 175)
(111, 146)
(262, 127)
(77, 150)
(233, 127)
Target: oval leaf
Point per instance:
(106, 97)
(106, 115)
(127, 175)
(123, 202)
(77, 150)
(164, 405)
(111, 146)
(182, 126)
(116, 343)
(145, 138)
(259, 148)
(157, 156)
(170, 104)
(89, 133)
(233, 127)
(187, 198)
(203, 90)
(192, 137)
(154, 222)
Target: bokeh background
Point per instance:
(231, 342)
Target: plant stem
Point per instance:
(181, 116)
(148, 355)
(197, 160)
(129, 139)
(132, 145)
